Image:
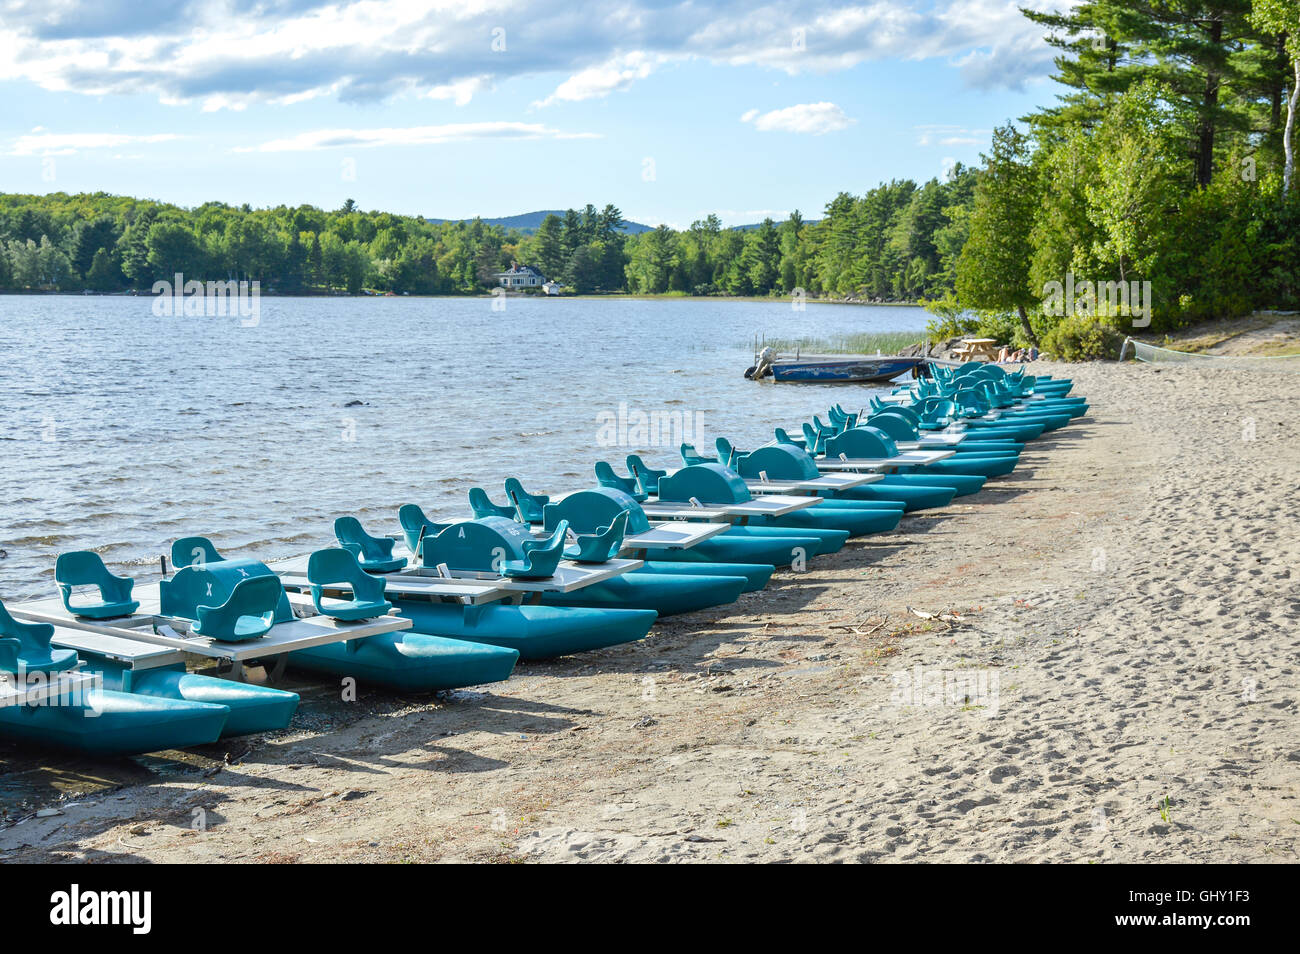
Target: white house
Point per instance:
(521, 276)
(553, 288)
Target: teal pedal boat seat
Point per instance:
(25, 647)
(190, 551)
(212, 584)
(528, 507)
(541, 557)
(647, 478)
(601, 546)
(416, 526)
(728, 456)
(482, 506)
(375, 554)
(335, 567)
(248, 613)
(85, 568)
(691, 456)
(606, 477)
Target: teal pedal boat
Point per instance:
(666, 593)
(534, 632)
(492, 542)
(591, 508)
(50, 702)
(755, 575)
(252, 708)
(115, 724)
(401, 659)
(418, 659)
(717, 485)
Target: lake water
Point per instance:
(121, 431)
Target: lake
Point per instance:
(122, 430)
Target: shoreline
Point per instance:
(485, 296)
(1142, 658)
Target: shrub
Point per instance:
(1082, 338)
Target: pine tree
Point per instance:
(993, 270)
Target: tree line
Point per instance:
(894, 243)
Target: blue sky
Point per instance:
(451, 109)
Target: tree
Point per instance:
(993, 270)
(171, 248)
(1191, 48)
(549, 243)
(104, 273)
(88, 237)
(1282, 18)
(762, 257)
(1134, 188)
(652, 261)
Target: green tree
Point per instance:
(1282, 19)
(993, 269)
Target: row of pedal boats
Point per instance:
(104, 667)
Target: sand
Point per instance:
(1116, 683)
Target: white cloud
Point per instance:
(461, 91)
(618, 73)
(65, 144)
(225, 54)
(411, 136)
(940, 135)
(813, 119)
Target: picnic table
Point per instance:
(985, 349)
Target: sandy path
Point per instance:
(1128, 635)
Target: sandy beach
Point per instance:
(1093, 660)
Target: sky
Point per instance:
(456, 108)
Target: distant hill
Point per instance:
(529, 222)
(754, 225)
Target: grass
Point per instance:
(1164, 810)
(867, 342)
